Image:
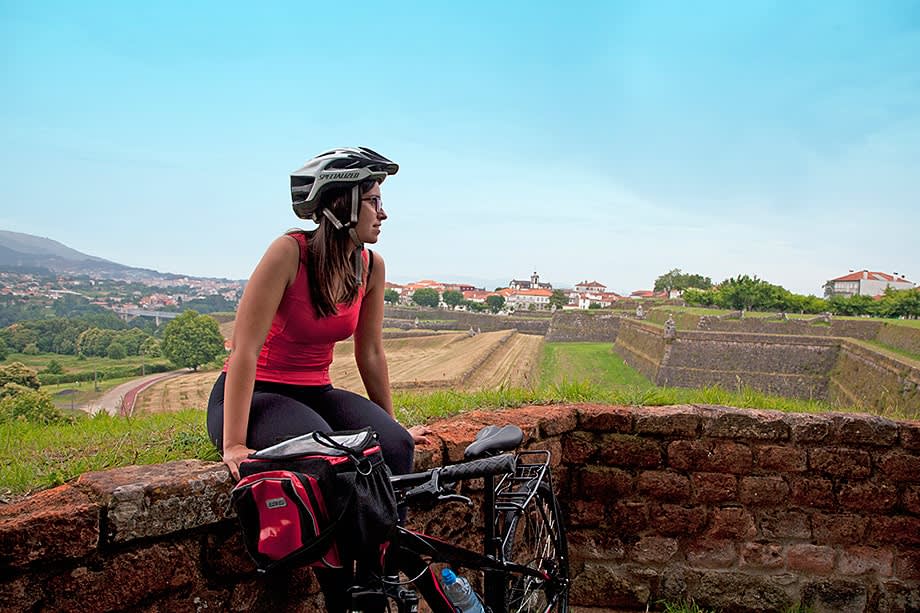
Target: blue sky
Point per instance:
(610, 140)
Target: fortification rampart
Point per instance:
(583, 326)
(900, 337)
(809, 367)
(441, 319)
(740, 510)
(642, 345)
(865, 378)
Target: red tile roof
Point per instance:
(870, 276)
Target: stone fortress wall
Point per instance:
(808, 367)
(741, 510)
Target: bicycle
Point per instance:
(524, 557)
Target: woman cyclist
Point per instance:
(310, 290)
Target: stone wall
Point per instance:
(900, 337)
(583, 326)
(791, 366)
(867, 379)
(642, 345)
(740, 510)
(808, 367)
(398, 317)
(863, 330)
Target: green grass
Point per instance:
(595, 363)
(35, 457)
(73, 364)
(883, 348)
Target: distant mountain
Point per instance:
(26, 251)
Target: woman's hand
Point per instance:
(233, 455)
(420, 434)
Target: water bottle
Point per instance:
(461, 593)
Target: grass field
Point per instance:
(72, 364)
(595, 363)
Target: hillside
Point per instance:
(21, 252)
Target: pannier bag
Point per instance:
(318, 499)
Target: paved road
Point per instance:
(111, 401)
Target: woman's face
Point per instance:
(371, 215)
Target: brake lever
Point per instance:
(455, 497)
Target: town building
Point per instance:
(534, 283)
(527, 299)
(590, 286)
(865, 283)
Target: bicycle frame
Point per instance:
(505, 496)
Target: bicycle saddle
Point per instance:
(492, 439)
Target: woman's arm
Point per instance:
(260, 301)
(369, 354)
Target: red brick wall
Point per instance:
(742, 510)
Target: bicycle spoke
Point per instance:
(533, 538)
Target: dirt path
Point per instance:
(111, 401)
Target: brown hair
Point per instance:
(330, 270)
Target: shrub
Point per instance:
(20, 374)
(53, 368)
(29, 405)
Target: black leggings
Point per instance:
(279, 412)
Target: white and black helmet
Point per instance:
(345, 167)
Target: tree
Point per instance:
(677, 280)
(495, 303)
(191, 340)
(150, 348)
(452, 298)
(426, 297)
(558, 299)
(391, 296)
(54, 368)
(116, 351)
(475, 307)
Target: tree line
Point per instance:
(188, 341)
(752, 294)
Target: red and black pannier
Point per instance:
(318, 499)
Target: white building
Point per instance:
(525, 298)
(865, 283)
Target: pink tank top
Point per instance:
(298, 349)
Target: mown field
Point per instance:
(436, 362)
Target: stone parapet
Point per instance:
(742, 510)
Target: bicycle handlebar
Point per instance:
(432, 482)
(478, 468)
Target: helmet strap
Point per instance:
(352, 232)
(333, 219)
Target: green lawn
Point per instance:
(594, 363)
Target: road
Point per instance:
(111, 402)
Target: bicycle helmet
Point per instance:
(343, 167)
